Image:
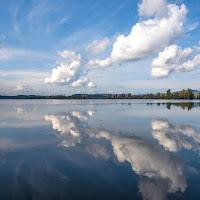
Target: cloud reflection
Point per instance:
(98, 150)
(175, 138)
(163, 170)
(70, 126)
(148, 159)
(153, 191)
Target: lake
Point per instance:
(99, 149)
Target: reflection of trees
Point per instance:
(189, 106)
(168, 106)
(162, 169)
(186, 105)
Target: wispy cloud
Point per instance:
(12, 52)
(24, 89)
(15, 20)
(192, 27)
(97, 47)
(21, 77)
(3, 37)
(63, 20)
(38, 11)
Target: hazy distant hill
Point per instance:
(93, 96)
(194, 91)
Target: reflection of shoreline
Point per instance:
(183, 105)
(163, 170)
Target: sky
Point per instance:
(97, 46)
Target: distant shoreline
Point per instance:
(188, 94)
(95, 99)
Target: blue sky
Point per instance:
(90, 46)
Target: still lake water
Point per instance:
(99, 149)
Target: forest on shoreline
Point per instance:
(184, 94)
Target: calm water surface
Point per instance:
(99, 149)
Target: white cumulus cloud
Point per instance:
(70, 71)
(151, 7)
(98, 63)
(162, 27)
(147, 38)
(174, 58)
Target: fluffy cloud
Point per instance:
(70, 71)
(163, 27)
(174, 58)
(149, 37)
(97, 47)
(175, 138)
(98, 63)
(154, 7)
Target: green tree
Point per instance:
(158, 95)
(163, 96)
(168, 93)
(182, 94)
(198, 96)
(175, 95)
(189, 94)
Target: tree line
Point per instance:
(184, 94)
